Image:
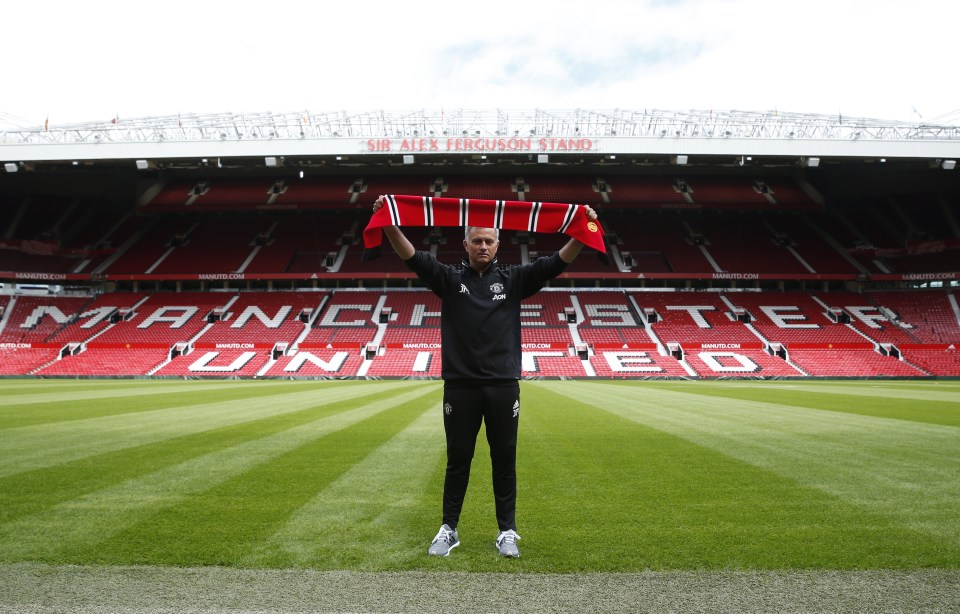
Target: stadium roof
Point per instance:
(552, 136)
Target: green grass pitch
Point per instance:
(613, 476)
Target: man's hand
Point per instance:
(570, 251)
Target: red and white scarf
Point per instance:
(401, 210)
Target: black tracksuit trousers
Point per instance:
(465, 406)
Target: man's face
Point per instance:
(481, 245)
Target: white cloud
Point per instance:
(88, 61)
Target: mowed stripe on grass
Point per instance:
(936, 404)
(47, 486)
(378, 514)
(612, 477)
(18, 392)
(64, 401)
(74, 530)
(36, 446)
(901, 470)
(659, 500)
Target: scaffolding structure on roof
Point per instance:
(536, 123)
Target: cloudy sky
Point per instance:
(92, 61)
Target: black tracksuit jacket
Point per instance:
(480, 317)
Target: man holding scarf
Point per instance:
(481, 354)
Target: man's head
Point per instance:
(481, 245)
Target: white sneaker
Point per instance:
(445, 541)
(507, 543)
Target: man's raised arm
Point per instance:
(399, 241)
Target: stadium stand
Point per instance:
(721, 191)
(932, 317)
(713, 274)
(26, 262)
(812, 245)
(940, 360)
(560, 190)
(631, 192)
(107, 360)
(710, 333)
(279, 238)
(637, 362)
(349, 319)
(851, 362)
(566, 333)
(741, 243)
(25, 360)
(95, 316)
(406, 363)
(316, 362)
(234, 240)
(931, 320)
(602, 316)
(152, 239)
(232, 362)
(873, 320)
(300, 244)
(166, 318)
(660, 239)
(38, 319)
(410, 346)
(388, 262)
(794, 317)
(262, 319)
